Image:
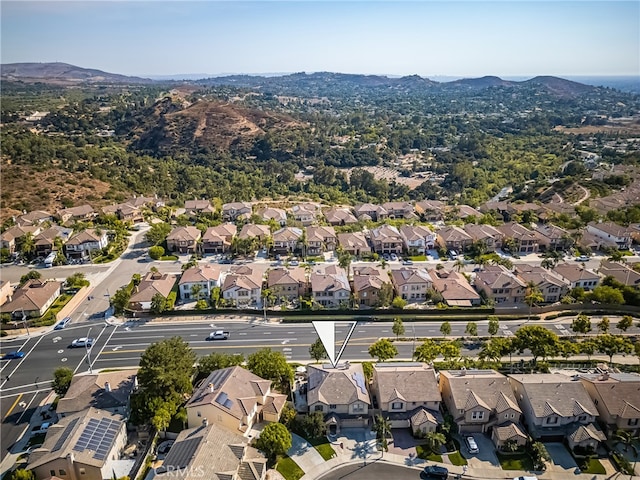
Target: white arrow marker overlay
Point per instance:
(327, 333)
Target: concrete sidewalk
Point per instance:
(303, 453)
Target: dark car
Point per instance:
(434, 471)
(12, 355)
(62, 323)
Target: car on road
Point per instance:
(62, 323)
(12, 355)
(82, 342)
(218, 335)
(408, 261)
(583, 258)
(434, 471)
(525, 478)
(471, 444)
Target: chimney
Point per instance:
(205, 422)
(107, 387)
(605, 375)
(211, 388)
(463, 371)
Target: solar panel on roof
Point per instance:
(222, 398)
(98, 436)
(228, 403)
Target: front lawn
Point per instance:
(425, 454)
(172, 258)
(457, 459)
(323, 447)
(289, 469)
(593, 466)
(515, 461)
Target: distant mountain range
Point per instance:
(63, 73)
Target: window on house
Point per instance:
(82, 472)
(199, 413)
(332, 406)
(632, 422)
(318, 408)
(52, 473)
(396, 405)
(582, 418)
(477, 415)
(358, 407)
(595, 401)
(552, 420)
(62, 472)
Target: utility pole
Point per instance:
(26, 325)
(88, 349)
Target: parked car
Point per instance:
(453, 255)
(525, 478)
(394, 257)
(82, 342)
(12, 355)
(434, 471)
(38, 429)
(583, 258)
(471, 444)
(408, 261)
(386, 256)
(63, 323)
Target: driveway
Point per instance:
(561, 459)
(486, 455)
(303, 453)
(403, 442)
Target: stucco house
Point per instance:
(82, 244)
(417, 239)
(500, 285)
(411, 283)
(218, 239)
(152, 284)
(287, 283)
(355, 243)
(183, 239)
(206, 276)
(330, 289)
(33, 298)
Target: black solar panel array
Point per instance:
(65, 434)
(182, 453)
(98, 436)
(219, 376)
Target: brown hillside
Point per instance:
(205, 123)
(24, 188)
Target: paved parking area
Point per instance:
(403, 442)
(486, 455)
(561, 459)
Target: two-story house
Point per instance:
(354, 243)
(278, 215)
(153, 283)
(82, 244)
(430, 210)
(522, 240)
(555, 407)
(236, 211)
(34, 218)
(45, 241)
(194, 208)
(305, 213)
(577, 276)
(242, 287)
(235, 399)
(486, 235)
(454, 288)
(500, 285)
(76, 214)
(617, 398)
(32, 299)
(552, 238)
(287, 240)
(11, 237)
(320, 239)
(551, 286)
(454, 238)
(417, 239)
(184, 239)
(330, 288)
(411, 283)
(287, 283)
(408, 395)
(250, 230)
(369, 211)
(218, 239)
(340, 393)
(611, 232)
(402, 210)
(480, 401)
(339, 216)
(621, 272)
(367, 283)
(387, 239)
(198, 282)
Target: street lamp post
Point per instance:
(24, 320)
(88, 349)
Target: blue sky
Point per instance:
(428, 38)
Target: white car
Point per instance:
(82, 342)
(472, 445)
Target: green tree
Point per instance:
(166, 368)
(427, 352)
(215, 297)
(445, 328)
(581, 324)
(344, 260)
(450, 350)
(399, 303)
(120, 300)
(603, 325)
(156, 252)
(77, 280)
(606, 294)
(271, 365)
(367, 369)
(471, 329)
(158, 303)
(288, 416)
(385, 295)
(62, 377)
(588, 347)
(434, 441)
(382, 427)
(274, 440)
(217, 361)
(494, 324)
(162, 415)
(32, 275)
(496, 348)
(613, 345)
(314, 425)
(533, 296)
(317, 350)
(568, 349)
(27, 245)
(21, 474)
(540, 341)
(625, 323)
(196, 291)
(158, 232)
(398, 327)
(383, 350)
(539, 455)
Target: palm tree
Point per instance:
(532, 296)
(382, 428)
(458, 265)
(196, 291)
(27, 245)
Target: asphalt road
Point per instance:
(373, 469)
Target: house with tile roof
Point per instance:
(320, 239)
(403, 210)
(454, 288)
(33, 298)
(207, 277)
(617, 398)
(10, 238)
(76, 214)
(369, 211)
(287, 240)
(108, 391)
(480, 401)
(611, 232)
(525, 240)
(330, 289)
(305, 213)
(486, 235)
(45, 241)
(33, 218)
(417, 239)
(339, 216)
(6, 291)
(551, 285)
(194, 208)
(621, 272)
(250, 230)
(430, 210)
(218, 239)
(411, 283)
(236, 210)
(288, 283)
(553, 238)
(82, 244)
(242, 287)
(125, 212)
(276, 214)
(408, 395)
(577, 276)
(83, 445)
(184, 239)
(462, 211)
(367, 283)
(554, 406)
(340, 394)
(235, 399)
(387, 239)
(355, 243)
(152, 284)
(453, 238)
(213, 453)
(500, 285)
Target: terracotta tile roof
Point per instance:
(337, 386)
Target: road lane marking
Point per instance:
(12, 407)
(27, 407)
